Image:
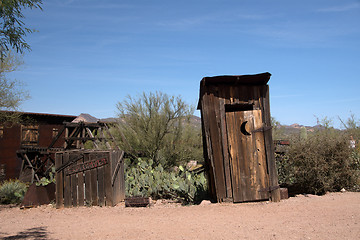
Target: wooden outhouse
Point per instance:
(238, 146)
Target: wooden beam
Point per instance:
(32, 167)
(57, 137)
(117, 167)
(92, 137)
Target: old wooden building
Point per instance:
(238, 146)
(35, 134)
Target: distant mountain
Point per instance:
(195, 121)
(108, 120)
(286, 129)
(295, 128)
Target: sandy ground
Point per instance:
(333, 216)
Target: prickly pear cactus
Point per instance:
(144, 180)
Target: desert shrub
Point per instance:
(158, 126)
(12, 192)
(285, 169)
(355, 164)
(141, 179)
(321, 162)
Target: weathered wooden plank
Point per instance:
(93, 183)
(260, 159)
(216, 145)
(107, 183)
(59, 181)
(251, 161)
(122, 181)
(74, 194)
(233, 147)
(117, 162)
(81, 194)
(88, 191)
(244, 157)
(67, 184)
(101, 190)
(207, 151)
(115, 166)
(225, 152)
(269, 145)
(66, 135)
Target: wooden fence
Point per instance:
(89, 178)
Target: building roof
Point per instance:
(41, 114)
(255, 79)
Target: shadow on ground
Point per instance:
(32, 233)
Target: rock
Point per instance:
(205, 202)
(343, 190)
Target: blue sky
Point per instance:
(87, 55)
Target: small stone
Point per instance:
(205, 202)
(343, 190)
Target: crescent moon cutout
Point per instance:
(243, 129)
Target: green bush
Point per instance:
(158, 126)
(321, 162)
(12, 192)
(141, 179)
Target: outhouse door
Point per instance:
(247, 153)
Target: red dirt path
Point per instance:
(333, 216)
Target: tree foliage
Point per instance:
(12, 36)
(11, 93)
(157, 126)
(12, 27)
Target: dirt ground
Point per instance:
(333, 216)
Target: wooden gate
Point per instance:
(250, 179)
(89, 178)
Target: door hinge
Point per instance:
(262, 129)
